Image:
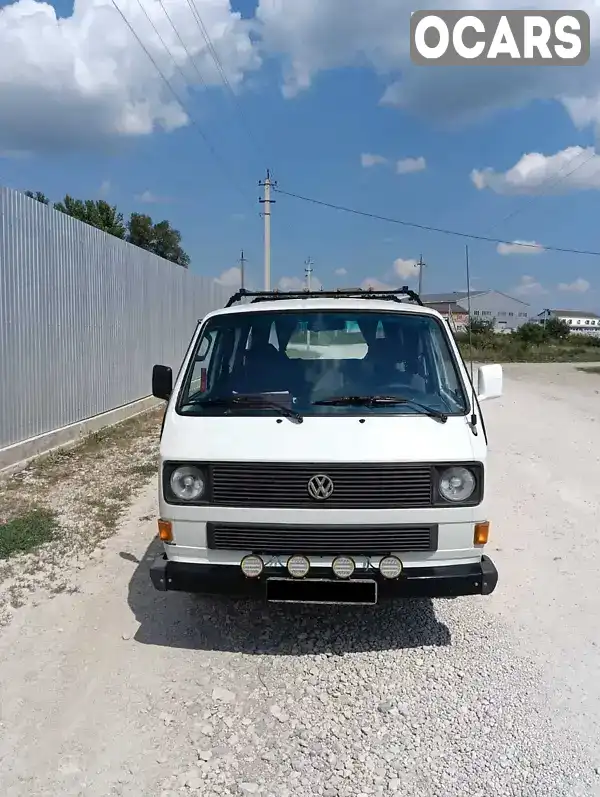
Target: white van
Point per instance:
(324, 448)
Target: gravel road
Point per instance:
(114, 689)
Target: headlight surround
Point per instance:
(457, 484)
(185, 483)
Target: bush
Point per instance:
(583, 340)
(531, 333)
(557, 329)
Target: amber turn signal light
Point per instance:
(165, 531)
(482, 533)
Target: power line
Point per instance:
(174, 92)
(430, 228)
(213, 52)
(244, 124)
(162, 41)
(189, 55)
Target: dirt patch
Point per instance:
(57, 511)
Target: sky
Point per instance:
(323, 93)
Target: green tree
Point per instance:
(140, 231)
(557, 329)
(109, 219)
(161, 239)
(531, 332)
(38, 196)
(97, 213)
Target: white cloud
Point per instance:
(409, 165)
(313, 36)
(375, 284)
(367, 160)
(570, 169)
(297, 284)
(340, 272)
(231, 277)
(520, 248)
(104, 188)
(148, 198)
(405, 269)
(578, 286)
(84, 80)
(408, 269)
(529, 286)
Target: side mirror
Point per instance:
(489, 382)
(162, 382)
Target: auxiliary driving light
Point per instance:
(343, 566)
(252, 566)
(298, 566)
(390, 567)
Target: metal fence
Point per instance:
(83, 318)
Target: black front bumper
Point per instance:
(425, 582)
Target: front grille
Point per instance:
(356, 485)
(320, 540)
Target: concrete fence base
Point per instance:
(19, 455)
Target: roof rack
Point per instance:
(340, 293)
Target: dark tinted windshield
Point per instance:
(299, 358)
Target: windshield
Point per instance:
(298, 359)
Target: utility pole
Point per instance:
(420, 264)
(267, 202)
(308, 270)
(242, 263)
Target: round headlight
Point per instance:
(343, 566)
(457, 484)
(390, 567)
(252, 566)
(298, 566)
(187, 483)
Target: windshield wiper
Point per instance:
(251, 401)
(381, 401)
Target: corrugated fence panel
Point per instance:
(83, 318)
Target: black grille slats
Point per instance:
(321, 540)
(356, 485)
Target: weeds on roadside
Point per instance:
(530, 343)
(26, 532)
(27, 516)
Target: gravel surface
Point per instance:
(87, 487)
(115, 689)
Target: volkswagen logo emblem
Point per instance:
(320, 487)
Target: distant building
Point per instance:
(581, 322)
(456, 316)
(505, 311)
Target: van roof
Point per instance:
(324, 304)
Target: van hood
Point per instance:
(407, 438)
